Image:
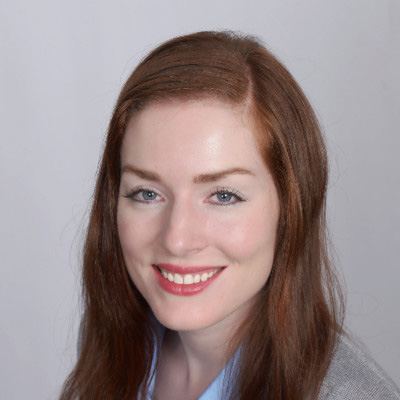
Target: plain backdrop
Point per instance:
(62, 64)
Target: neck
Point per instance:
(191, 360)
(206, 351)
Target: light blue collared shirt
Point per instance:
(213, 392)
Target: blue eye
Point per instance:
(148, 195)
(225, 197)
(143, 195)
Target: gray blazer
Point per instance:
(354, 375)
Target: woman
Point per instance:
(206, 272)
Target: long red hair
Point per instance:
(289, 337)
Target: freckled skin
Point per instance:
(186, 225)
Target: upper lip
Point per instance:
(188, 269)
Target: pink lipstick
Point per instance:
(185, 281)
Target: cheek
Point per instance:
(247, 237)
(134, 234)
(126, 237)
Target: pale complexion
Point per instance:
(195, 192)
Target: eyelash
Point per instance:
(141, 189)
(219, 191)
(231, 192)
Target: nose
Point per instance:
(184, 229)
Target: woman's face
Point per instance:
(197, 212)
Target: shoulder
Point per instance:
(353, 374)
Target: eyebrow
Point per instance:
(216, 176)
(202, 178)
(141, 173)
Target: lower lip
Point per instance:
(184, 290)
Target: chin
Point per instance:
(184, 322)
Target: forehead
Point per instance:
(198, 134)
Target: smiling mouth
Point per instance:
(187, 279)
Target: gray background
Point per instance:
(62, 66)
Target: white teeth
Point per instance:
(188, 279)
(178, 279)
